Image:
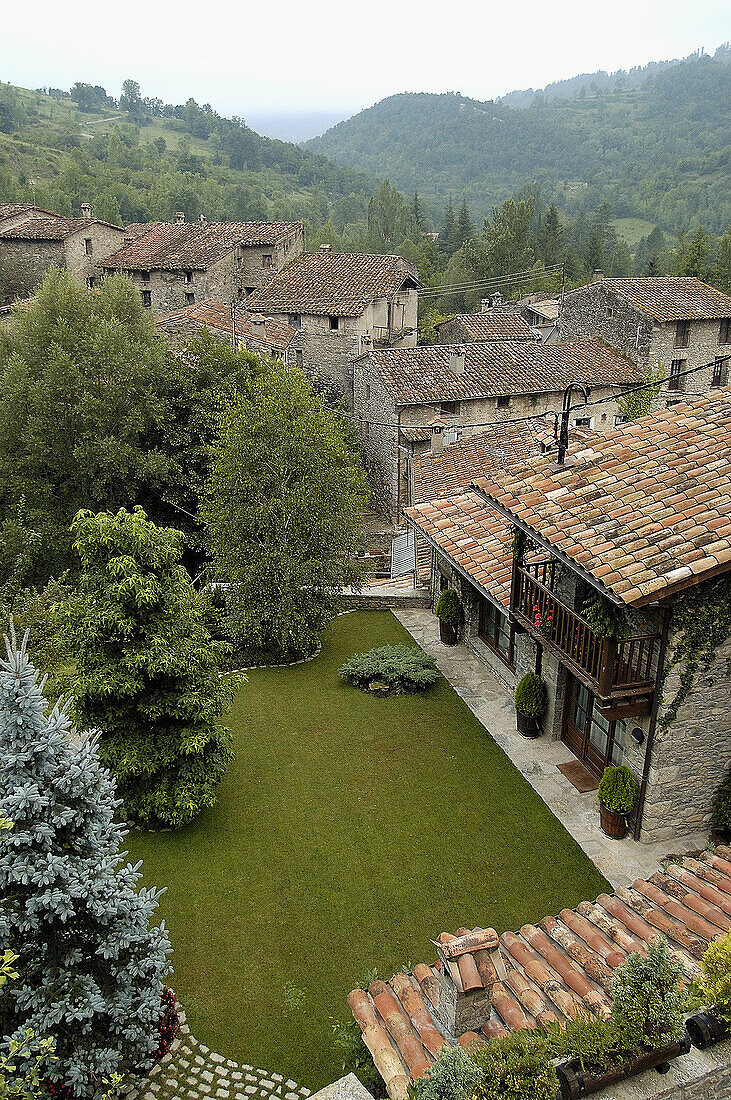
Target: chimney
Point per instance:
(87, 210)
(471, 965)
(258, 326)
(325, 248)
(180, 216)
(497, 299)
(202, 219)
(597, 275)
(456, 361)
(437, 438)
(484, 305)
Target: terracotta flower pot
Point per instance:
(527, 725)
(613, 824)
(447, 634)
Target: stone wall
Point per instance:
(377, 429)
(690, 757)
(594, 311)
(23, 265)
(105, 239)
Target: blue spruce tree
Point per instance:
(90, 964)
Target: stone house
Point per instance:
(474, 328)
(403, 398)
(669, 324)
(176, 264)
(32, 240)
(269, 338)
(481, 985)
(342, 304)
(635, 527)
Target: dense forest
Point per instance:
(659, 152)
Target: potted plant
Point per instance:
(617, 794)
(449, 613)
(714, 989)
(531, 703)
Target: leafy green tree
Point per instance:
(147, 668)
(86, 398)
(449, 240)
(283, 511)
(692, 254)
(388, 216)
(90, 960)
(507, 242)
(639, 402)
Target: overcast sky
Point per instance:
(334, 55)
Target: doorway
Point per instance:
(587, 732)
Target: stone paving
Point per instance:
(620, 861)
(190, 1071)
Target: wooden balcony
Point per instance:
(613, 669)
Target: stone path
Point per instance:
(190, 1071)
(621, 862)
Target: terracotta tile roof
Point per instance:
(544, 972)
(503, 325)
(12, 209)
(337, 283)
(212, 314)
(547, 308)
(415, 376)
(49, 227)
(475, 537)
(643, 509)
(170, 246)
(503, 443)
(672, 299)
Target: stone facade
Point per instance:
(386, 450)
(594, 310)
(24, 264)
(330, 346)
(232, 277)
(87, 248)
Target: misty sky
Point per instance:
(339, 57)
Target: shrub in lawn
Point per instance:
(401, 668)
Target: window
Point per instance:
(673, 401)
(189, 298)
(91, 281)
(677, 367)
(368, 392)
(88, 246)
(682, 334)
(147, 297)
(145, 276)
(724, 331)
(503, 401)
(188, 276)
(295, 320)
(334, 323)
(249, 290)
(720, 372)
(619, 420)
(267, 260)
(594, 738)
(494, 630)
(610, 311)
(449, 408)
(582, 422)
(298, 358)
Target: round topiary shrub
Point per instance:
(531, 696)
(449, 608)
(618, 789)
(391, 669)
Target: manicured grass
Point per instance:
(349, 830)
(633, 229)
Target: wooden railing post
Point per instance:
(607, 666)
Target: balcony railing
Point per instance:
(614, 667)
(383, 336)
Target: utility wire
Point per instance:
(656, 384)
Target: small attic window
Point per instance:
(334, 323)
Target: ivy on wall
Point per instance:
(701, 621)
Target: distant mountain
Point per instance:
(658, 151)
(294, 126)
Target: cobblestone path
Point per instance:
(190, 1071)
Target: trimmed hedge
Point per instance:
(396, 668)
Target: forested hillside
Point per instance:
(659, 152)
(139, 159)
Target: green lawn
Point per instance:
(349, 831)
(633, 229)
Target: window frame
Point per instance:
(724, 331)
(676, 379)
(682, 334)
(503, 401)
(267, 260)
(501, 627)
(449, 408)
(719, 375)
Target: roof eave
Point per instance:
(460, 569)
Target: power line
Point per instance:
(552, 271)
(655, 384)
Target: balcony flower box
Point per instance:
(574, 1082)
